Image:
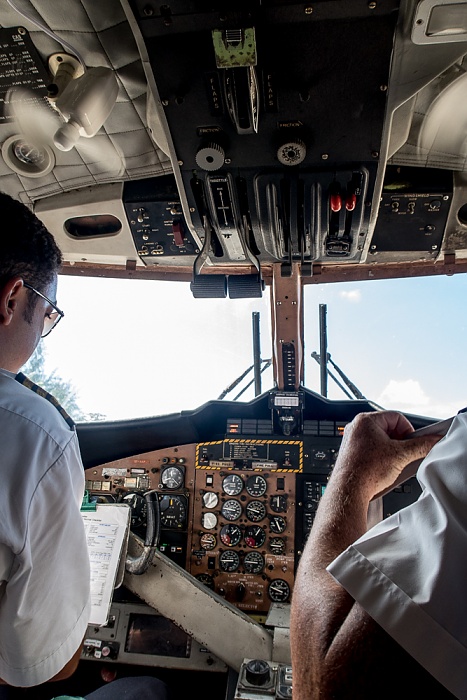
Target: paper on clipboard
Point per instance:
(106, 531)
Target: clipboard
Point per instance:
(107, 529)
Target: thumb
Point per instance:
(418, 447)
(414, 452)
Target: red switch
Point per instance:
(177, 230)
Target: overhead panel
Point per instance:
(276, 114)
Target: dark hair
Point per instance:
(26, 247)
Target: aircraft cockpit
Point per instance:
(244, 149)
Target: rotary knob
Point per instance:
(292, 153)
(210, 157)
(257, 672)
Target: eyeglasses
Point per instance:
(52, 318)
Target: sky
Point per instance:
(135, 348)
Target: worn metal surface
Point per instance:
(227, 632)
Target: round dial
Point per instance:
(172, 477)
(253, 563)
(278, 504)
(209, 521)
(138, 508)
(277, 545)
(230, 535)
(229, 561)
(210, 500)
(206, 580)
(232, 485)
(173, 512)
(231, 509)
(29, 153)
(277, 524)
(254, 536)
(255, 511)
(256, 485)
(208, 541)
(279, 590)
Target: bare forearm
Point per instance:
(329, 630)
(320, 606)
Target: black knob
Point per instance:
(240, 591)
(257, 672)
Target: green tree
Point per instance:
(63, 390)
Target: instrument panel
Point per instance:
(234, 512)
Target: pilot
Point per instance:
(44, 566)
(383, 614)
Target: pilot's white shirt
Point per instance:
(409, 572)
(44, 565)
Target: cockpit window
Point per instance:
(137, 348)
(401, 342)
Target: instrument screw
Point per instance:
(308, 10)
(324, 156)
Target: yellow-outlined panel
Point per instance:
(297, 443)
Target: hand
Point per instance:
(374, 450)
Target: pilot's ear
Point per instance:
(9, 299)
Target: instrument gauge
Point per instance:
(277, 545)
(231, 509)
(229, 561)
(210, 499)
(206, 580)
(173, 512)
(208, 541)
(254, 536)
(279, 590)
(256, 485)
(277, 524)
(28, 153)
(230, 535)
(255, 511)
(172, 477)
(138, 508)
(278, 504)
(232, 485)
(253, 563)
(209, 521)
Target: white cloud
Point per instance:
(409, 396)
(354, 295)
(403, 393)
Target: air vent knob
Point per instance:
(210, 157)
